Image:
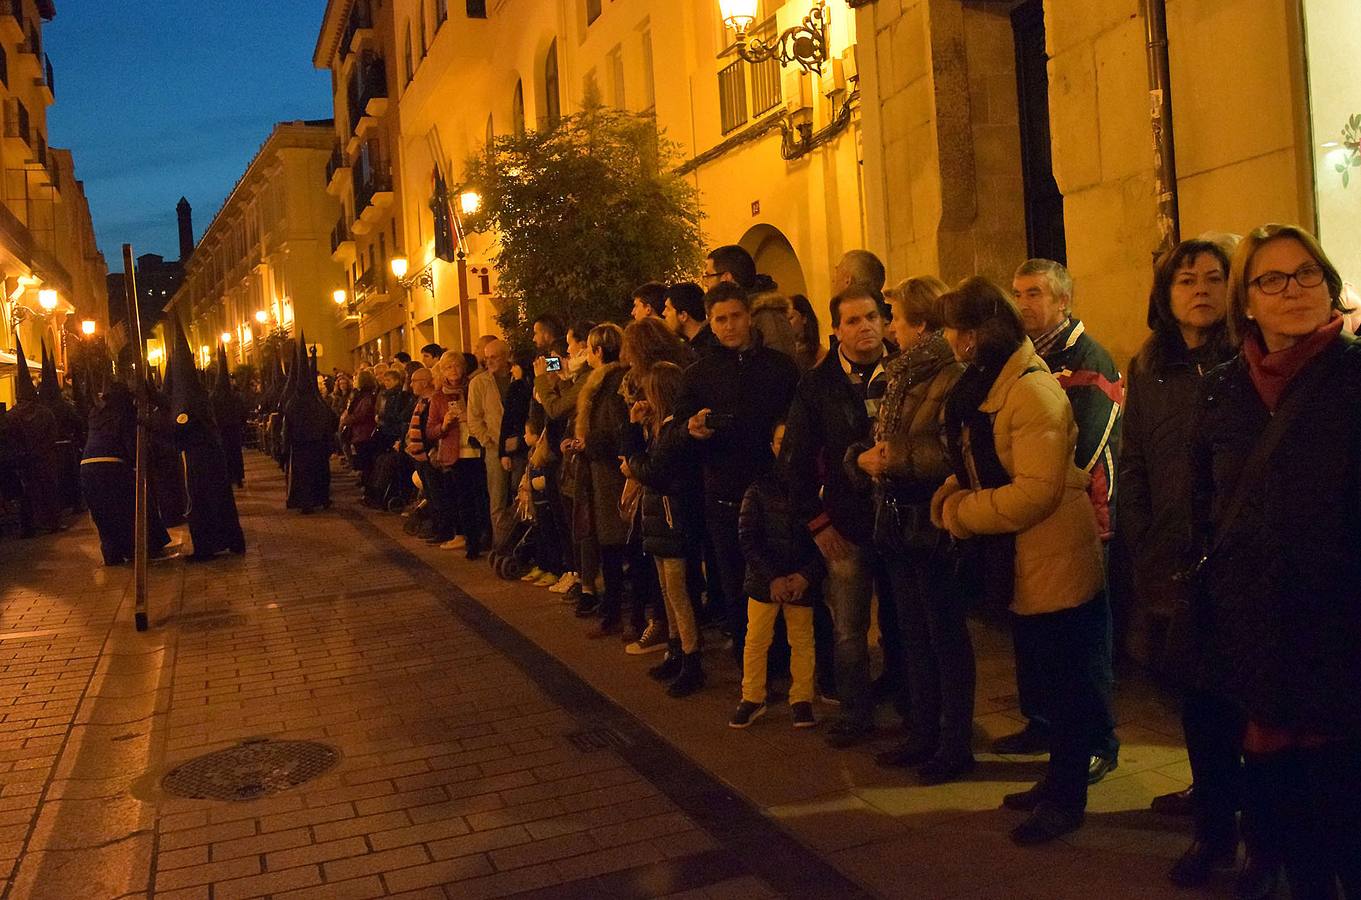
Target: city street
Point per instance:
(486, 746)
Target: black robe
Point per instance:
(231, 428)
(309, 434)
(165, 469)
(37, 427)
(108, 481)
(214, 525)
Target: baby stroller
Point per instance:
(515, 557)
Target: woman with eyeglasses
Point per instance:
(1275, 513)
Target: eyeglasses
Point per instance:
(710, 276)
(1306, 276)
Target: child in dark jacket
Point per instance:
(784, 578)
(670, 476)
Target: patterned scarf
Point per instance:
(914, 365)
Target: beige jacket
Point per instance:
(1059, 563)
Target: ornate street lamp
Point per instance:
(87, 327)
(47, 299)
(805, 44)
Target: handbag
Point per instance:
(904, 526)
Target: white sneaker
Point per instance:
(564, 583)
(457, 543)
(547, 579)
(533, 574)
(651, 640)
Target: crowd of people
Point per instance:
(716, 470)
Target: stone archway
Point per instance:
(775, 256)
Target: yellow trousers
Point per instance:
(798, 624)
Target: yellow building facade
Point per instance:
(263, 268)
(951, 137)
(52, 270)
(458, 73)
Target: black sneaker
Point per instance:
(746, 713)
(1029, 740)
(1045, 824)
(803, 714)
(587, 606)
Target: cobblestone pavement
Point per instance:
(488, 746)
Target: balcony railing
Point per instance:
(335, 163)
(369, 82)
(372, 283)
(339, 235)
(16, 120)
(366, 184)
(361, 17)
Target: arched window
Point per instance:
(552, 96)
(410, 60)
(517, 110)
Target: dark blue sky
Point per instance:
(164, 98)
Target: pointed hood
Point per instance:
(49, 386)
(223, 387)
(189, 403)
(307, 373)
(23, 382)
(290, 388)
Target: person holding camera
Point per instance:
(731, 401)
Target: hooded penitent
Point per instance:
(70, 432)
(310, 429)
(213, 522)
(49, 386)
(37, 427)
(230, 413)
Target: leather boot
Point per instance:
(691, 677)
(670, 665)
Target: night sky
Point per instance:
(164, 98)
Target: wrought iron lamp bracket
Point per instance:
(805, 44)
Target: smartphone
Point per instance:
(716, 421)
(552, 363)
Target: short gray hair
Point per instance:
(1060, 282)
(865, 270)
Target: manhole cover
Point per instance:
(252, 770)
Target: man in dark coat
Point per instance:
(37, 427)
(70, 433)
(213, 522)
(230, 414)
(108, 478)
(309, 432)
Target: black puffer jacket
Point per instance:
(775, 541)
(1155, 463)
(1277, 616)
(671, 505)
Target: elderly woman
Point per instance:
(908, 463)
(1018, 496)
(1275, 451)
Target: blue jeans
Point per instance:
(849, 588)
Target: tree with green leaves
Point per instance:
(584, 213)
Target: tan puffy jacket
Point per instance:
(1059, 562)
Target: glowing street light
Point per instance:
(47, 299)
(339, 295)
(470, 202)
(226, 337)
(739, 15)
(261, 316)
(399, 267)
(87, 327)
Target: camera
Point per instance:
(715, 421)
(552, 363)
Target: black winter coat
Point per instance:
(775, 543)
(755, 386)
(1277, 614)
(1163, 381)
(672, 511)
(827, 418)
(514, 416)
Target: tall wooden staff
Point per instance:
(143, 417)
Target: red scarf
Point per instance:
(1272, 372)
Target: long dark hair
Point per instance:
(978, 304)
(1167, 338)
(811, 335)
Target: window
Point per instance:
(425, 43)
(410, 60)
(441, 12)
(592, 11)
(477, 9)
(517, 110)
(732, 95)
(649, 80)
(765, 76)
(552, 97)
(615, 59)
